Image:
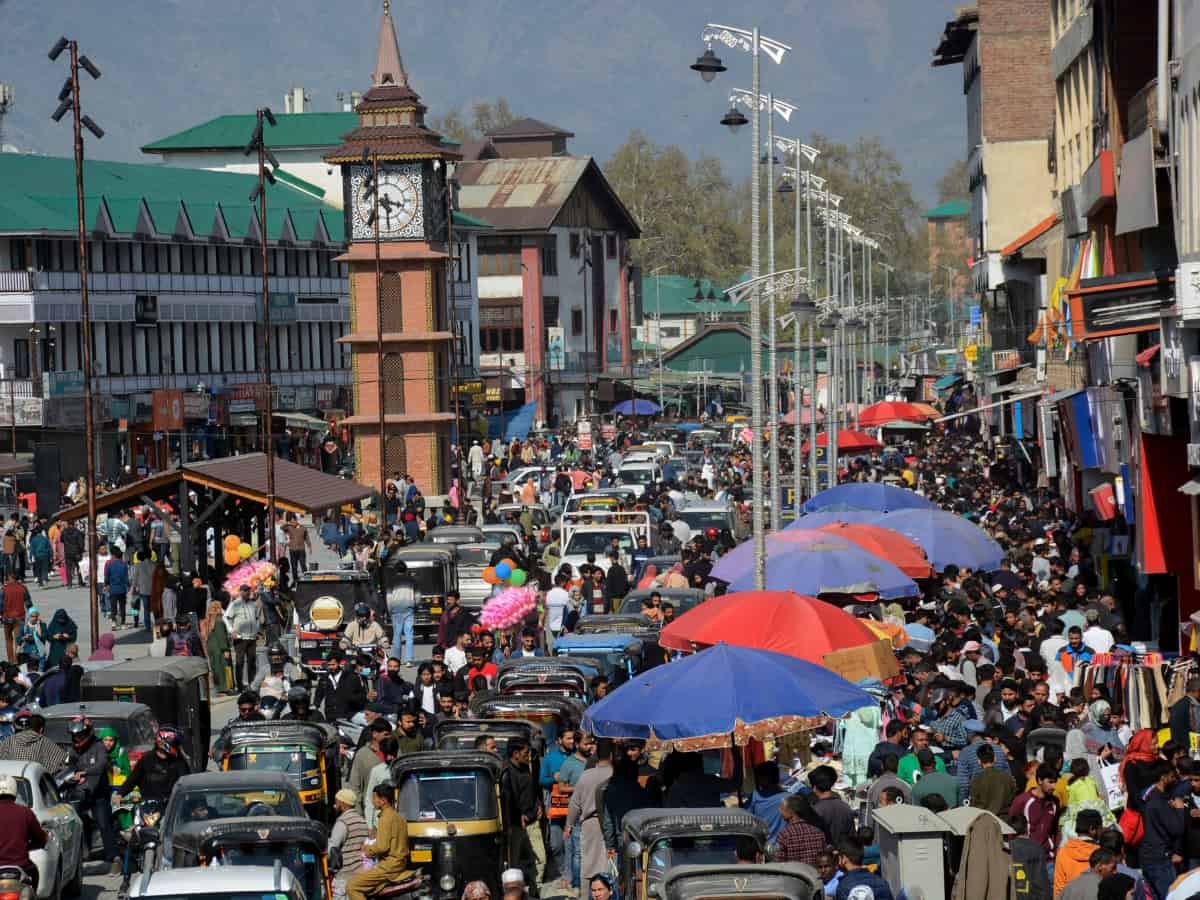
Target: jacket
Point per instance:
(865, 884)
(241, 618)
(1165, 826)
(1072, 861)
(390, 849)
(16, 601)
(1031, 882)
(341, 700)
(39, 547)
(93, 763)
(72, 540)
(20, 832)
(1042, 816)
(116, 576)
(155, 776)
(983, 869)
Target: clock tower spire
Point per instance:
(398, 225)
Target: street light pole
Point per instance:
(68, 99)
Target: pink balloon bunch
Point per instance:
(254, 572)
(508, 608)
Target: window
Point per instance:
(549, 312)
(165, 258)
(116, 355)
(462, 262)
(499, 256)
(574, 245)
(613, 323)
(124, 257)
(670, 331)
(20, 358)
(610, 246)
(188, 260)
(17, 259)
(576, 321)
(501, 326)
(550, 255)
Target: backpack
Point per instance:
(179, 644)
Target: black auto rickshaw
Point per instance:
(433, 571)
(655, 840)
(544, 675)
(636, 625)
(300, 844)
(451, 802)
(176, 688)
(464, 734)
(307, 752)
(325, 602)
(775, 881)
(554, 714)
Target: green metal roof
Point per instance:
(461, 218)
(37, 195)
(954, 209)
(291, 131)
(675, 293)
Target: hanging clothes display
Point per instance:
(1136, 684)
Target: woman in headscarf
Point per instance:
(215, 637)
(648, 576)
(63, 632)
(104, 648)
(676, 578)
(477, 890)
(33, 640)
(1100, 737)
(1137, 767)
(118, 759)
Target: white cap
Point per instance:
(512, 876)
(8, 786)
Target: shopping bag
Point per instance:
(1110, 781)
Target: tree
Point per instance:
(485, 116)
(955, 184)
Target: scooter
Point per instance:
(140, 839)
(15, 883)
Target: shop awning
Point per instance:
(946, 381)
(987, 406)
(1144, 358)
(303, 420)
(1035, 232)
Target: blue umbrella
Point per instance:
(829, 516)
(816, 563)
(866, 495)
(635, 408)
(946, 538)
(723, 695)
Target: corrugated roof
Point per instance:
(954, 209)
(675, 293)
(316, 129)
(38, 195)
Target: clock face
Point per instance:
(401, 210)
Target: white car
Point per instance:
(60, 862)
(219, 883)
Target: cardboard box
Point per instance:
(874, 660)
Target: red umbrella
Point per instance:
(905, 555)
(848, 441)
(889, 411)
(782, 621)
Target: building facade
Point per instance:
(175, 299)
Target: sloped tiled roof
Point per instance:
(37, 195)
(529, 128)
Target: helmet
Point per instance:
(80, 729)
(168, 740)
(711, 534)
(297, 695)
(8, 786)
(361, 611)
(276, 653)
(21, 722)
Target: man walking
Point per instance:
(299, 542)
(16, 602)
(72, 541)
(582, 812)
(402, 604)
(241, 618)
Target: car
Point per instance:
(134, 723)
(453, 534)
(60, 862)
(702, 516)
(225, 795)
(471, 560)
(220, 883)
(682, 599)
(508, 488)
(499, 531)
(638, 475)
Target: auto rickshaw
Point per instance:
(776, 881)
(553, 714)
(544, 676)
(617, 656)
(434, 573)
(176, 688)
(301, 845)
(655, 840)
(461, 734)
(451, 802)
(325, 602)
(307, 752)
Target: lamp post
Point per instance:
(830, 328)
(804, 312)
(708, 65)
(887, 327)
(68, 101)
(658, 327)
(258, 143)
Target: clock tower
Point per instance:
(397, 210)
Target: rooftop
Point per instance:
(953, 209)
(675, 294)
(526, 128)
(37, 196)
(292, 130)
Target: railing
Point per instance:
(15, 282)
(581, 362)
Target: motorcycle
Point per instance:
(140, 838)
(15, 883)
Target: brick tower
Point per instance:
(398, 258)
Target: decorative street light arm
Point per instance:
(746, 98)
(743, 39)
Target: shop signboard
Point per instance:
(195, 405)
(283, 309)
(121, 408)
(64, 384)
(306, 396)
(28, 411)
(143, 408)
(556, 356)
(242, 398)
(168, 410)
(285, 398)
(325, 395)
(584, 435)
(66, 413)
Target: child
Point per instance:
(1081, 786)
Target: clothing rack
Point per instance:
(1137, 684)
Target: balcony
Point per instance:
(15, 282)
(1142, 113)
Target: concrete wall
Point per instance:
(1018, 189)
